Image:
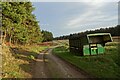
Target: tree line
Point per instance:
(19, 25)
(114, 31)
(47, 36)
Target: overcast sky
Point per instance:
(64, 18)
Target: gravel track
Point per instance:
(49, 66)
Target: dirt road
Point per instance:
(54, 67)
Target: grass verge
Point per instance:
(18, 61)
(100, 66)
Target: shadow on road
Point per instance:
(45, 65)
(27, 63)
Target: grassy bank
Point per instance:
(101, 66)
(18, 61)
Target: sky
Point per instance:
(64, 18)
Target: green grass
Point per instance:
(17, 61)
(101, 66)
(34, 50)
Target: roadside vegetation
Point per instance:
(100, 66)
(21, 39)
(47, 36)
(18, 61)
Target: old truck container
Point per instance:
(90, 44)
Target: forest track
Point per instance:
(49, 66)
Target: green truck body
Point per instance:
(90, 44)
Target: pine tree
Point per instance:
(19, 24)
(47, 36)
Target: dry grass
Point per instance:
(17, 61)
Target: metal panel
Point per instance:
(91, 44)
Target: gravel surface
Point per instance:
(49, 66)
